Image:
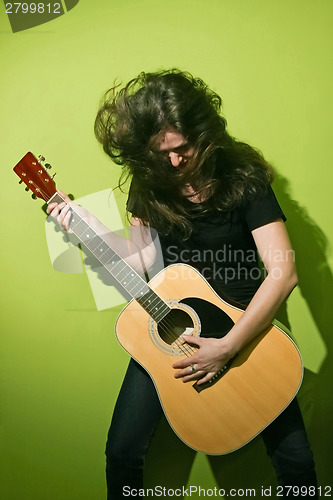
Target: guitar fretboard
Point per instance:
(125, 275)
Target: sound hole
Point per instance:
(175, 323)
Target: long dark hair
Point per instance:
(130, 124)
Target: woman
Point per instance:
(208, 197)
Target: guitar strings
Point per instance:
(169, 325)
(166, 325)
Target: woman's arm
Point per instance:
(139, 251)
(278, 258)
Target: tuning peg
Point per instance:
(41, 158)
(27, 189)
(33, 196)
(53, 176)
(20, 182)
(47, 166)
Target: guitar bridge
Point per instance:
(216, 378)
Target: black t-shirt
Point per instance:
(221, 246)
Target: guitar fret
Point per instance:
(80, 229)
(117, 274)
(100, 250)
(108, 256)
(122, 276)
(155, 306)
(129, 278)
(144, 288)
(95, 243)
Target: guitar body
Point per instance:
(258, 385)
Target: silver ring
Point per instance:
(192, 368)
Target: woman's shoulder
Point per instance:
(262, 208)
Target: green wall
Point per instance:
(61, 367)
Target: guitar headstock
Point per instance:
(33, 172)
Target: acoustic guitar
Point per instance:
(248, 393)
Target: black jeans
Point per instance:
(138, 411)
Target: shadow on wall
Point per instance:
(316, 286)
(169, 461)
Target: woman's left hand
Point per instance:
(211, 356)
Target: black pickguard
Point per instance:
(214, 322)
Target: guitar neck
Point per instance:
(124, 274)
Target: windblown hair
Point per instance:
(130, 125)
